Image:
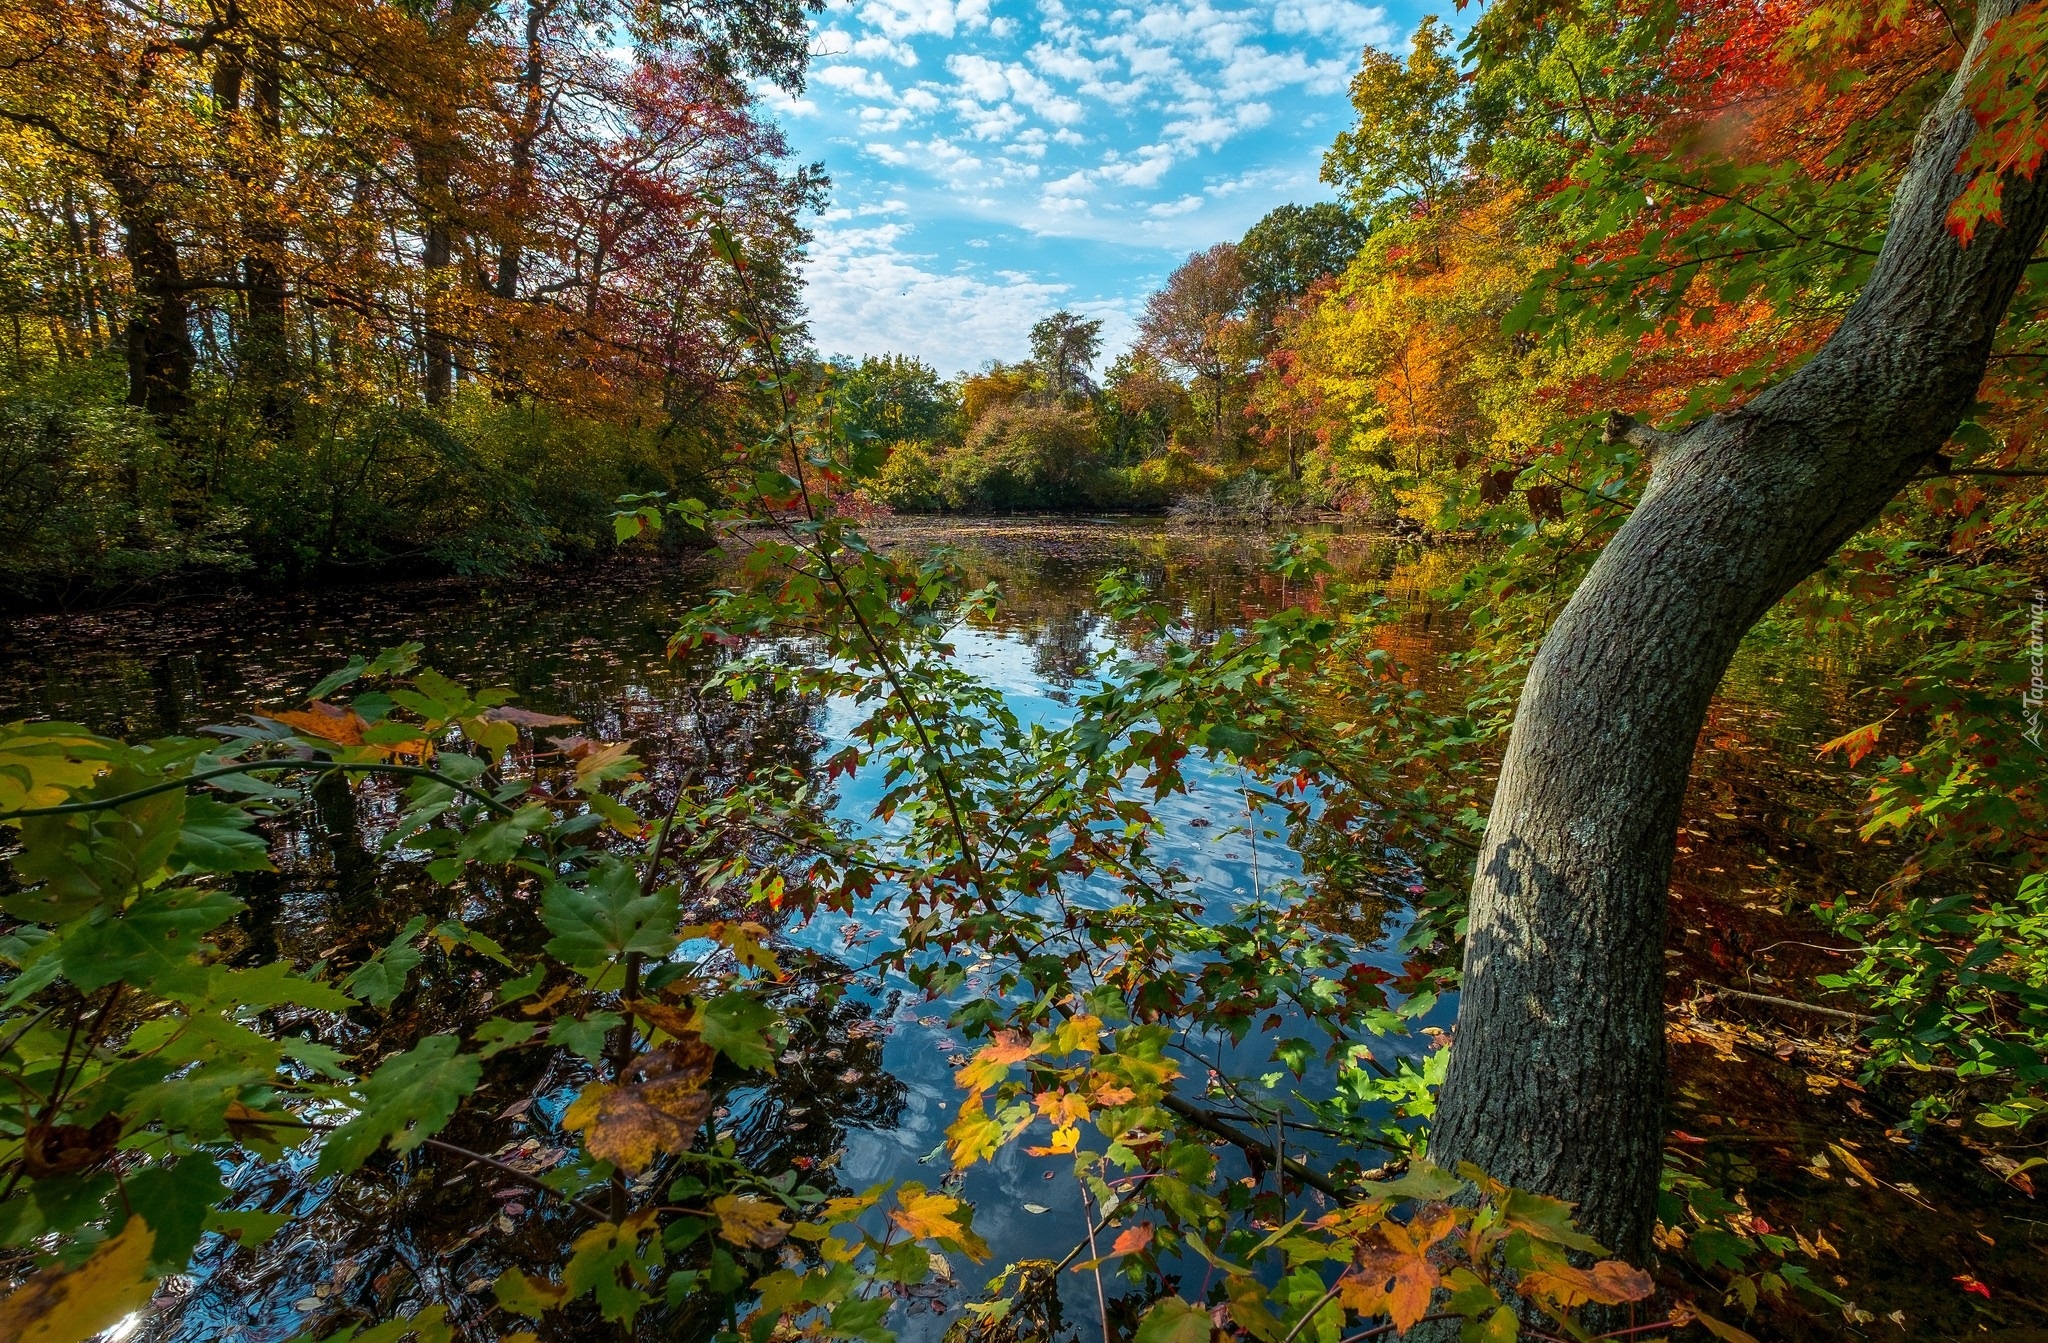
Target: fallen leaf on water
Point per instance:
(752, 1222)
(660, 1109)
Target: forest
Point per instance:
(1482, 779)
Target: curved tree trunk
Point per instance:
(1557, 1081)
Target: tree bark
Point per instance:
(1557, 1081)
(159, 333)
(437, 252)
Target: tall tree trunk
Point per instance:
(1557, 1081)
(159, 333)
(532, 113)
(266, 340)
(436, 252)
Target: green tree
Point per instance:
(1294, 246)
(1406, 151)
(1065, 346)
(895, 398)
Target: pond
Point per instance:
(866, 1086)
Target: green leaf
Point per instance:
(247, 1227)
(737, 1026)
(217, 837)
(498, 1035)
(406, 1101)
(271, 985)
(379, 980)
(152, 946)
(608, 918)
(1175, 1321)
(584, 1035)
(177, 1201)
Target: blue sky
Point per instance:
(993, 160)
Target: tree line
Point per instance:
(288, 289)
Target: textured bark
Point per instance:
(159, 333)
(436, 252)
(1557, 1082)
(266, 341)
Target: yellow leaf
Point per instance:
(660, 1108)
(974, 1135)
(1723, 1330)
(992, 1062)
(745, 939)
(1065, 1139)
(939, 1217)
(67, 1306)
(1856, 1168)
(751, 1222)
(1082, 1033)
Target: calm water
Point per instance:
(865, 1090)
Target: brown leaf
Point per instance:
(660, 1108)
(66, 1149)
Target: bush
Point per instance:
(908, 481)
(1023, 456)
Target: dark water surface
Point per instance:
(865, 1090)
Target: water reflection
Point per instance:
(864, 1089)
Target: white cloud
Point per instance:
(869, 293)
(856, 81)
(899, 19)
(1155, 125)
(1361, 25)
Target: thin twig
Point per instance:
(1793, 1003)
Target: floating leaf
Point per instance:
(659, 1109)
(752, 1222)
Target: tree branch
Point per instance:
(1623, 428)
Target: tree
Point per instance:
(1405, 154)
(895, 398)
(1065, 347)
(1291, 248)
(1194, 323)
(1557, 1082)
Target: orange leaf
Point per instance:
(1133, 1239)
(1608, 1283)
(1855, 744)
(341, 726)
(993, 1060)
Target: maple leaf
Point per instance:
(1133, 1239)
(1394, 1275)
(1856, 744)
(659, 1109)
(937, 1217)
(1607, 1283)
(752, 1222)
(328, 722)
(70, 1305)
(992, 1062)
